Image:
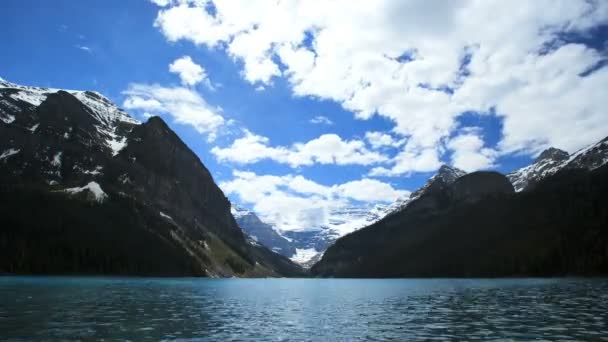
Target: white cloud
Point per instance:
(296, 203)
(162, 3)
(349, 52)
(369, 190)
(184, 105)
(469, 153)
(326, 149)
(321, 120)
(410, 160)
(379, 140)
(84, 48)
(189, 72)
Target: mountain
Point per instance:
(306, 247)
(261, 232)
(445, 176)
(85, 188)
(552, 160)
(478, 226)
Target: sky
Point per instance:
(299, 108)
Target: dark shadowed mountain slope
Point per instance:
(87, 189)
(558, 228)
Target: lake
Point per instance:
(42, 308)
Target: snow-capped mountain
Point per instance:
(446, 175)
(262, 232)
(306, 245)
(310, 244)
(105, 193)
(112, 123)
(552, 160)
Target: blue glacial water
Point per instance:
(136, 309)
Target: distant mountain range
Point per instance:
(547, 219)
(307, 247)
(87, 189)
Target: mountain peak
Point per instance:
(552, 153)
(238, 211)
(449, 173)
(156, 192)
(551, 160)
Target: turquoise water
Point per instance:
(55, 308)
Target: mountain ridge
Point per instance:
(557, 228)
(77, 149)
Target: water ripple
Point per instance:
(39, 308)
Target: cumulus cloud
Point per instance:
(184, 105)
(297, 203)
(410, 160)
(326, 149)
(380, 139)
(369, 190)
(189, 72)
(469, 153)
(421, 63)
(321, 120)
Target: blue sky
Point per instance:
(298, 108)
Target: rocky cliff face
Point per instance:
(122, 182)
(479, 185)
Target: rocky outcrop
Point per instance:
(479, 185)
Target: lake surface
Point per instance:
(43, 308)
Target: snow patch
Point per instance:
(116, 144)
(303, 255)
(165, 216)
(32, 97)
(96, 171)
(34, 128)
(10, 152)
(7, 118)
(103, 109)
(57, 159)
(238, 211)
(92, 187)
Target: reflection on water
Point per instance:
(34, 308)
